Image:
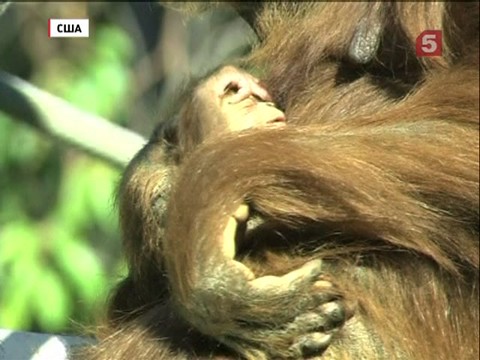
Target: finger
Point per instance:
(244, 91)
(224, 86)
(241, 214)
(242, 94)
(260, 92)
(228, 240)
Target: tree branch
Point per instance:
(57, 118)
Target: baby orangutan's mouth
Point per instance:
(278, 119)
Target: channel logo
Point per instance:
(429, 43)
(68, 28)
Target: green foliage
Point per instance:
(97, 82)
(106, 74)
(80, 266)
(59, 240)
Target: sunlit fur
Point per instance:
(383, 160)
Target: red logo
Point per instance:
(429, 43)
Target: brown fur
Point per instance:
(381, 164)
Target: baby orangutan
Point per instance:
(230, 100)
(194, 277)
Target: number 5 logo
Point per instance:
(429, 43)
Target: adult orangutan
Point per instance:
(376, 175)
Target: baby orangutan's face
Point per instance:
(240, 101)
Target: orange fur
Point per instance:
(381, 163)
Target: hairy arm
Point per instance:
(355, 176)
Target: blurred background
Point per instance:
(60, 247)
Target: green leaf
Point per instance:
(17, 291)
(6, 126)
(80, 266)
(85, 95)
(100, 195)
(111, 82)
(72, 210)
(15, 314)
(51, 303)
(113, 43)
(25, 146)
(18, 240)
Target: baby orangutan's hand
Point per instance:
(241, 100)
(239, 84)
